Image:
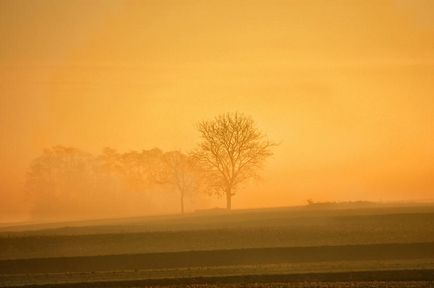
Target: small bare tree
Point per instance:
(60, 182)
(182, 173)
(231, 151)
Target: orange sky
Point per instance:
(346, 87)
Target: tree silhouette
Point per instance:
(66, 182)
(59, 181)
(231, 151)
(141, 169)
(110, 161)
(181, 172)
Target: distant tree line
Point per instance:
(65, 180)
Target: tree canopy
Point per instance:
(232, 150)
(67, 181)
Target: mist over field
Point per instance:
(344, 88)
(229, 143)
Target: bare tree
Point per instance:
(60, 181)
(231, 151)
(140, 169)
(182, 173)
(110, 161)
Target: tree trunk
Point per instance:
(182, 202)
(228, 199)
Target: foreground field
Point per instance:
(300, 247)
(167, 274)
(397, 278)
(237, 230)
(212, 258)
(352, 284)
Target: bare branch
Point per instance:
(232, 150)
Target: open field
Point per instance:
(220, 218)
(217, 271)
(265, 248)
(391, 278)
(238, 230)
(254, 256)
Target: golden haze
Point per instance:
(346, 87)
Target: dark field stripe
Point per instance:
(359, 276)
(219, 258)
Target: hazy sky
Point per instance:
(346, 87)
